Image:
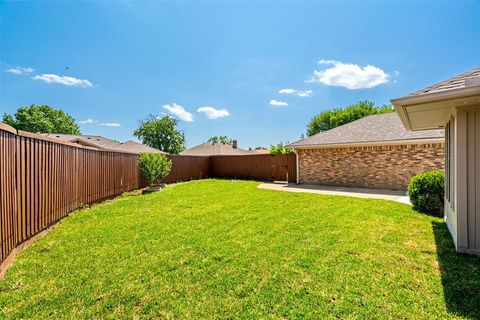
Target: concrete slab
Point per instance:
(392, 195)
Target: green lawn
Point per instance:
(225, 249)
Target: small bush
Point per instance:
(154, 167)
(426, 191)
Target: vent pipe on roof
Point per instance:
(234, 144)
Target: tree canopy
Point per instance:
(161, 133)
(42, 119)
(220, 139)
(280, 148)
(330, 119)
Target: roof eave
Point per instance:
(371, 143)
(441, 99)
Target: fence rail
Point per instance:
(43, 179)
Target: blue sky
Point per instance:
(229, 59)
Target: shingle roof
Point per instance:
(97, 141)
(456, 82)
(374, 128)
(104, 143)
(208, 149)
(135, 147)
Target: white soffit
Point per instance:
(432, 111)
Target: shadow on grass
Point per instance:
(460, 275)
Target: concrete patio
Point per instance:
(392, 195)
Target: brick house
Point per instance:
(372, 152)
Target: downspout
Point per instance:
(297, 166)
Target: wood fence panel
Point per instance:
(263, 167)
(7, 193)
(42, 180)
(185, 168)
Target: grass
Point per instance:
(225, 249)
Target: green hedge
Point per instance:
(426, 191)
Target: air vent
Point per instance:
(473, 81)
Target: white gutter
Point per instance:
(366, 144)
(442, 96)
(445, 99)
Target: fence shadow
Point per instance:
(460, 275)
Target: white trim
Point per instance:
(446, 99)
(297, 166)
(373, 143)
(437, 96)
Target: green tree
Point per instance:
(161, 133)
(330, 119)
(42, 119)
(220, 139)
(280, 148)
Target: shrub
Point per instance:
(154, 167)
(426, 191)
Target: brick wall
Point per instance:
(382, 167)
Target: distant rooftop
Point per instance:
(210, 149)
(135, 147)
(104, 143)
(373, 128)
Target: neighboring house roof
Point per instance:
(135, 147)
(376, 128)
(209, 149)
(261, 151)
(93, 141)
(103, 143)
(458, 82)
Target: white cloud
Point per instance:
(87, 121)
(109, 124)
(213, 113)
(287, 91)
(304, 93)
(65, 80)
(300, 93)
(19, 70)
(179, 111)
(349, 75)
(278, 103)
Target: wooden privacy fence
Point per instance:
(42, 180)
(263, 167)
(186, 168)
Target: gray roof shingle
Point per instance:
(373, 128)
(456, 82)
(97, 141)
(135, 147)
(104, 143)
(209, 149)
